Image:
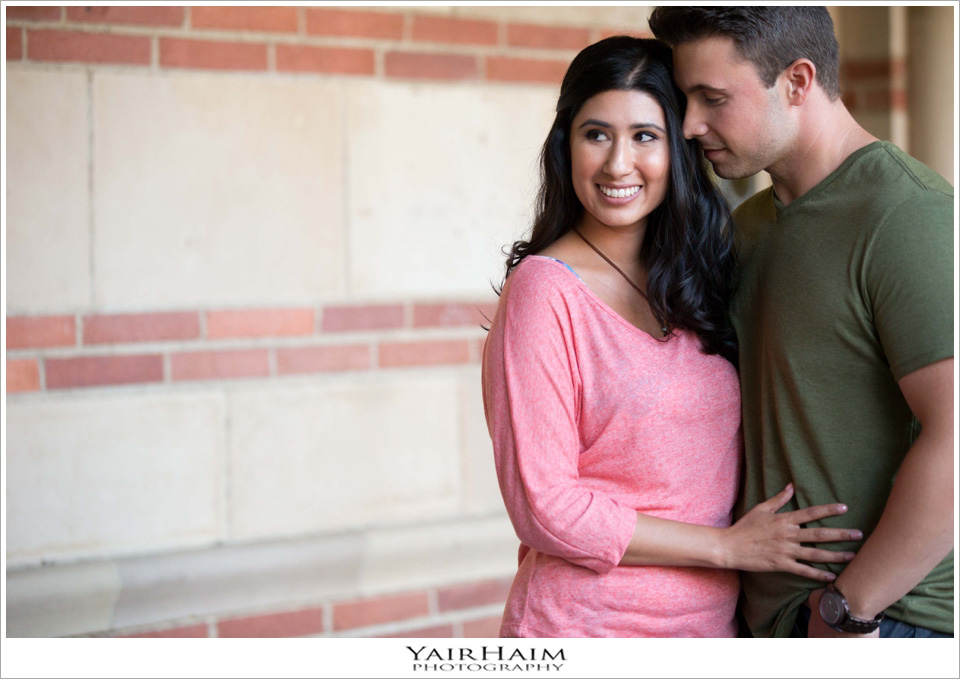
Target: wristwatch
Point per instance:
(835, 611)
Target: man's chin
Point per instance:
(726, 171)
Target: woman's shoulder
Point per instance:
(539, 273)
(538, 284)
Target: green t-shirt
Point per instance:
(842, 293)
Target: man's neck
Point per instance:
(828, 137)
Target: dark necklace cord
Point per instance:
(663, 326)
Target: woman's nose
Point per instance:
(619, 160)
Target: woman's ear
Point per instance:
(800, 78)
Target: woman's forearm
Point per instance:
(762, 540)
(663, 542)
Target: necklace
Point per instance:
(663, 326)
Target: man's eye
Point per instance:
(713, 101)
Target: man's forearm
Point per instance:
(915, 531)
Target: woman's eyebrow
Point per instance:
(635, 126)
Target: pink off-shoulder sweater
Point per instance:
(592, 421)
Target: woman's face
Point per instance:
(620, 157)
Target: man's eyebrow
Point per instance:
(635, 126)
(701, 87)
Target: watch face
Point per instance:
(831, 608)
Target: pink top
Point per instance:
(592, 421)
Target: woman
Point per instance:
(613, 412)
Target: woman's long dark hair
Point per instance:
(688, 247)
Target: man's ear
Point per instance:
(799, 78)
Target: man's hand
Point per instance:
(818, 628)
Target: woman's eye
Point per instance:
(644, 136)
(596, 135)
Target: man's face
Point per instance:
(741, 125)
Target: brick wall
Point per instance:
(55, 352)
(408, 43)
(470, 610)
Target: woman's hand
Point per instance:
(763, 540)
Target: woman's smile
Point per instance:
(623, 194)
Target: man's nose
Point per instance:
(693, 123)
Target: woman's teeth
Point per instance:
(619, 193)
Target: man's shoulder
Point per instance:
(894, 176)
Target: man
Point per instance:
(844, 313)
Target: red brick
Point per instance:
(33, 332)
(212, 365)
(259, 323)
(23, 375)
(107, 328)
(462, 31)
(452, 314)
(473, 595)
(478, 349)
(368, 317)
(427, 352)
(517, 70)
(382, 25)
(138, 16)
(252, 18)
(323, 359)
(485, 628)
(548, 37)
(241, 56)
(438, 632)
(291, 624)
(325, 59)
(898, 99)
(89, 371)
(430, 65)
(188, 632)
(351, 614)
(14, 44)
(96, 48)
(33, 13)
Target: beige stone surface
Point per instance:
(62, 600)
(111, 474)
(216, 190)
(264, 575)
(141, 591)
(47, 192)
(343, 452)
(481, 493)
(435, 554)
(439, 179)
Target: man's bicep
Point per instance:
(929, 393)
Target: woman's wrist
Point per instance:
(721, 554)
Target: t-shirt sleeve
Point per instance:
(531, 397)
(909, 275)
